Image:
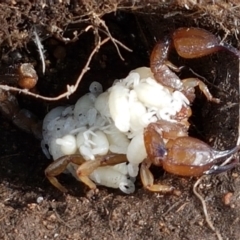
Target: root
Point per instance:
(208, 220)
(70, 89)
(98, 23)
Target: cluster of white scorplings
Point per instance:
(111, 121)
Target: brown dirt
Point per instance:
(111, 214)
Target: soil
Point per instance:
(31, 208)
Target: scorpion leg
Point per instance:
(173, 67)
(190, 83)
(84, 170)
(58, 166)
(148, 179)
(88, 167)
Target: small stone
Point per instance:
(177, 192)
(32, 206)
(227, 198)
(39, 199)
(235, 175)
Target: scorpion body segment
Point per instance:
(179, 153)
(195, 42)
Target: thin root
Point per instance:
(70, 89)
(208, 220)
(99, 21)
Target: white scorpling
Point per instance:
(111, 121)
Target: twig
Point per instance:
(70, 89)
(59, 218)
(171, 208)
(208, 220)
(182, 207)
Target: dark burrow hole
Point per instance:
(214, 123)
